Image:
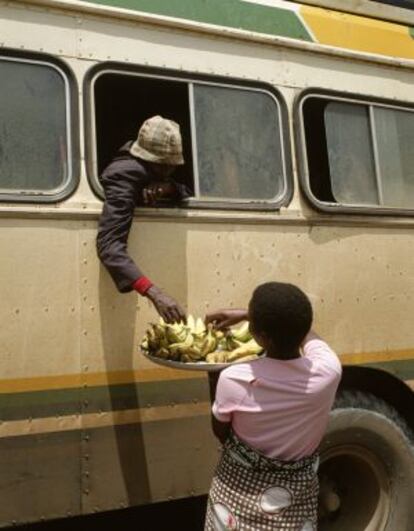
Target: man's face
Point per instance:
(161, 171)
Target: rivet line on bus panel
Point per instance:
(84, 404)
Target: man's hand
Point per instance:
(157, 191)
(224, 318)
(166, 306)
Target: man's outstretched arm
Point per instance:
(121, 194)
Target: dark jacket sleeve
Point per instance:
(183, 192)
(123, 188)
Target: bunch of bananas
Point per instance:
(195, 342)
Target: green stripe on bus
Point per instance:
(411, 30)
(48, 403)
(41, 404)
(231, 13)
(403, 369)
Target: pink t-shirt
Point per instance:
(280, 408)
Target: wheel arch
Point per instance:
(383, 385)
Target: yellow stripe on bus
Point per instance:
(70, 381)
(96, 379)
(359, 33)
(27, 427)
(377, 357)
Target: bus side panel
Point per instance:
(134, 464)
(39, 355)
(146, 429)
(40, 476)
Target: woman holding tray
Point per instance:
(271, 414)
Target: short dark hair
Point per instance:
(282, 312)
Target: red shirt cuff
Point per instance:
(142, 285)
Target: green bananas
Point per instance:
(194, 342)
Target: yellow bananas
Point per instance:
(194, 342)
(242, 334)
(251, 348)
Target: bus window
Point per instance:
(239, 154)
(35, 143)
(359, 154)
(350, 154)
(394, 130)
(123, 102)
(408, 4)
(232, 135)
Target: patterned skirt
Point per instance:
(251, 492)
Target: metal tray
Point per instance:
(191, 366)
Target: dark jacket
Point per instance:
(123, 181)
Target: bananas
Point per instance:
(242, 334)
(194, 342)
(251, 348)
(209, 343)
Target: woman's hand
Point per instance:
(225, 318)
(165, 305)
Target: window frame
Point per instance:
(403, 4)
(190, 78)
(72, 130)
(302, 158)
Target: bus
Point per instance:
(298, 127)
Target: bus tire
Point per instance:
(366, 468)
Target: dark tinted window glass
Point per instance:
(33, 128)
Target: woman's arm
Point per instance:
(220, 429)
(226, 317)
